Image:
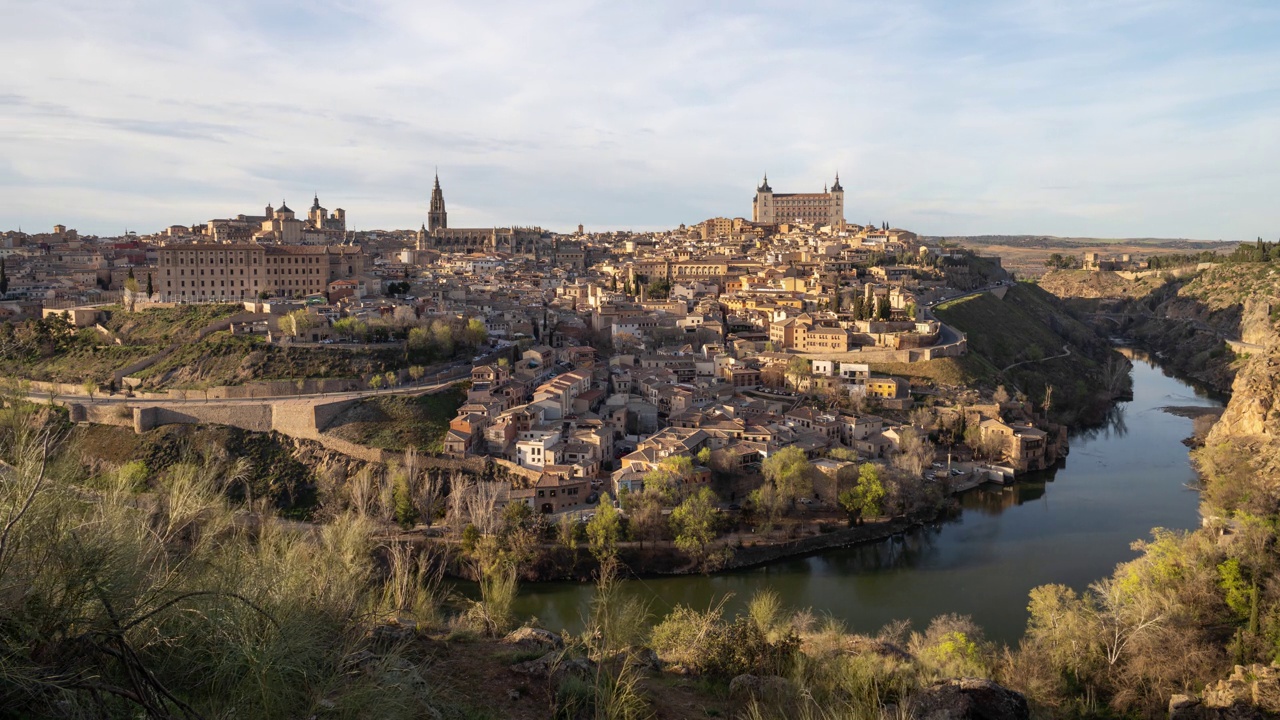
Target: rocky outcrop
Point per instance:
(1256, 327)
(1254, 410)
(969, 699)
(1250, 693)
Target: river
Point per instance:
(1071, 525)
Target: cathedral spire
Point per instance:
(437, 218)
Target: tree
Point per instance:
(442, 337)
(658, 289)
(647, 520)
(863, 499)
(567, 534)
(790, 473)
(669, 478)
(604, 530)
(296, 322)
(130, 291)
(150, 287)
(475, 333)
(375, 382)
(1001, 396)
(693, 522)
(797, 370)
(704, 457)
(883, 310)
(915, 452)
(859, 309)
(389, 378)
(767, 504)
(416, 372)
(90, 387)
(402, 496)
(4, 279)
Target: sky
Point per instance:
(1099, 118)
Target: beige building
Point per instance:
(824, 208)
(280, 225)
(209, 272)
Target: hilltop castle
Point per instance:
(824, 208)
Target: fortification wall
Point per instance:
(254, 417)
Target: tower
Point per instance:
(316, 214)
(837, 203)
(762, 207)
(437, 218)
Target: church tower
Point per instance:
(437, 218)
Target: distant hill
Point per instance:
(1052, 242)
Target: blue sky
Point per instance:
(1116, 118)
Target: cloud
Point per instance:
(1126, 117)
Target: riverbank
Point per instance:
(734, 552)
(1068, 526)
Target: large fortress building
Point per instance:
(824, 208)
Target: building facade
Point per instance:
(824, 208)
(212, 272)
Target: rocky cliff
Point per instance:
(1185, 320)
(1254, 410)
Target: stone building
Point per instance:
(212, 272)
(437, 235)
(824, 208)
(280, 225)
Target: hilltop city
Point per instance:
(605, 356)
(509, 404)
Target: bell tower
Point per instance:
(437, 218)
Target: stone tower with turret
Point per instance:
(437, 218)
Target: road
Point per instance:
(1066, 352)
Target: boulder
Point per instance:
(531, 637)
(1185, 707)
(554, 665)
(969, 699)
(766, 688)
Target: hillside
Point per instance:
(1185, 320)
(1034, 342)
(191, 351)
(397, 422)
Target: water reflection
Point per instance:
(1114, 424)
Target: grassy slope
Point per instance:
(964, 371)
(142, 334)
(394, 423)
(223, 359)
(1030, 323)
